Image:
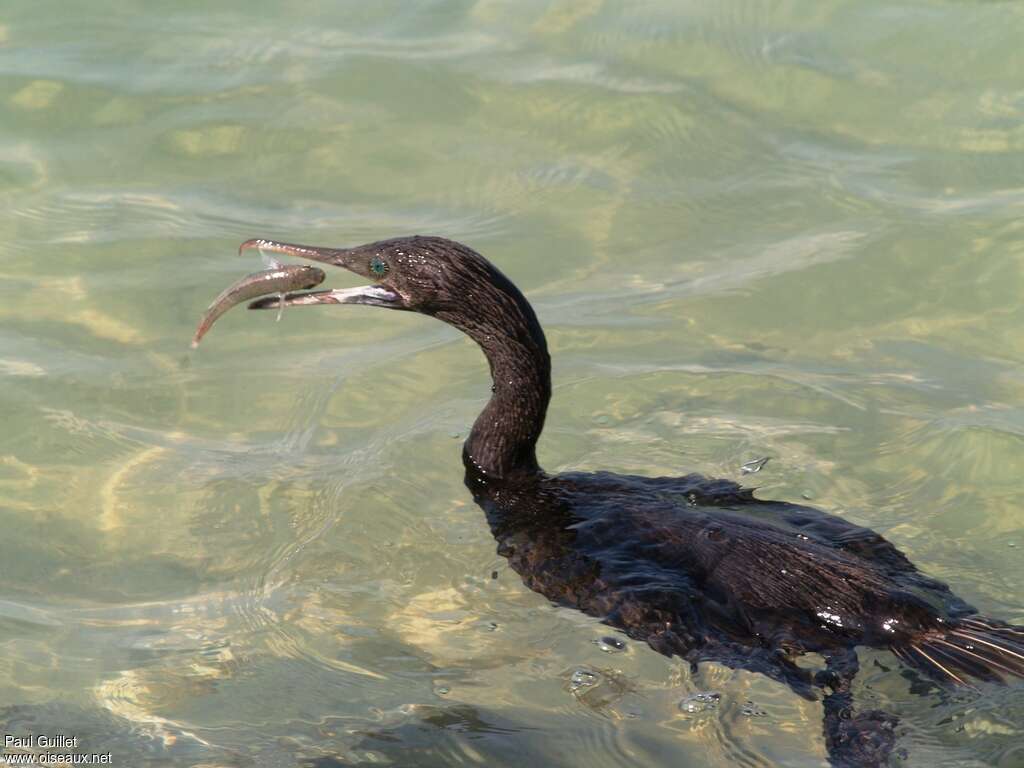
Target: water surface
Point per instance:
(790, 229)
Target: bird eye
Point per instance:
(378, 266)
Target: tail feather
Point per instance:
(928, 662)
(991, 625)
(976, 648)
(975, 664)
(993, 646)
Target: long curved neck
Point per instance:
(502, 443)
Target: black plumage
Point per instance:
(695, 567)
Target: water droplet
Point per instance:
(755, 465)
(611, 644)
(830, 616)
(269, 261)
(750, 709)
(704, 701)
(582, 678)
(806, 495)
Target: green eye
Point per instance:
(378, 266)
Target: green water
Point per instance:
(786, 229)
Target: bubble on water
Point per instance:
(703, 701)
(611, 644)
(750, 709)
(583, 678)
(443, 690)
(755, 465)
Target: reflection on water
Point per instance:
(789, 231)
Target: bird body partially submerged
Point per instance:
(694, 567)
(690, 564)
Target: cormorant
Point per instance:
(695, 567)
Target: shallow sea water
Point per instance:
(790, 230)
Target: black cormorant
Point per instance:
(695, 567)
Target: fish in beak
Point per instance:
(362, 260)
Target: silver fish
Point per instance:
(281, 279)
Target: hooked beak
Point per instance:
(353, 259)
